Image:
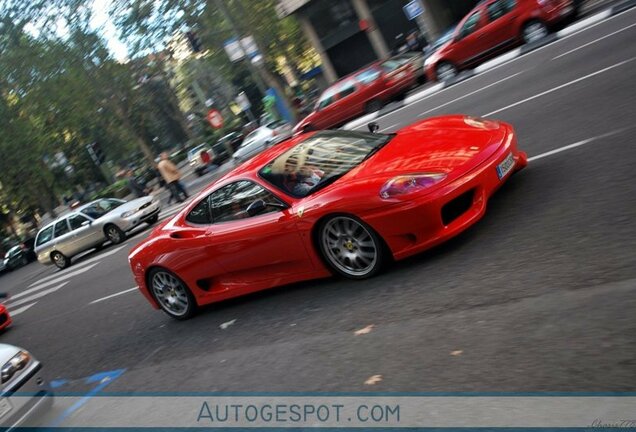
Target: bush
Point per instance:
(119, 189)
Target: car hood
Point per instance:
(128, 206)
(299, 128)
(439, 145)
(6, 352)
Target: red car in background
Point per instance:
(364, 91)
(326, 202)
(492, 27)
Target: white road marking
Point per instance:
(576, 144)
(510, 55)
(22, 309)
(114, 295)
(38, 286)
(593, 42)
(36, 296)
(567, 84)
(471, 93)
(78, 265)
(391, 127)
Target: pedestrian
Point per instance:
(135, 187)
(172, 176)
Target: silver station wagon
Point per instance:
(92, 225)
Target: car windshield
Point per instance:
(444, 37)
(320, 160)
(251, 137)
(101, 207)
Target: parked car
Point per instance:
(222, 147)
(25, 390)
(416, 60)
(92, 225)
(196, 161)
(494, 26)
(437, 43)
(16, 257)
(364, 91)
(261, 138)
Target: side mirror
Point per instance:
(256, 208)
(87, 223)
(373, 127)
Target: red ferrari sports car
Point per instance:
(326, 202)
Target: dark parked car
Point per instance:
(16, 257)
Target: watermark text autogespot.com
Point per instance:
(601, 423)
(298, 413)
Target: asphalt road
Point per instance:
(538, 296)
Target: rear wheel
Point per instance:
(445, 71)
(60, 260)
(351, 247)
(114, 234)
(172, 294)
(533, 31)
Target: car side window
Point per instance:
(201, 214)
(76, 221)
(327, 98)
(231, 201)
(368, 76)
(499, 8)
(61, 228)
(471, 24)
(44, 236)
(346, 89)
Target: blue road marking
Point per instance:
(103, 379)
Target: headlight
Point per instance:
(128, 213)
(17, 363)
(407, 184)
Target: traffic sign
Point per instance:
(413, 9)
(215, 118)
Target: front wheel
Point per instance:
(351, 247)
(534, 31)
(172, 294)
(445, 71)
(114, 234)
(60, 260)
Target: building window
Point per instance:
(329, 16)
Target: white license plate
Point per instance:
(5, 407)
(505, 166)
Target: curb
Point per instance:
(495, 62)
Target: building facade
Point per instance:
(349, 34)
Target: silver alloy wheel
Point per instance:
(534, 31)
(446, 71)
(170, 293)
(114, 234)
(349, 246)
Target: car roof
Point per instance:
(71, 213)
